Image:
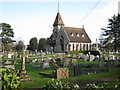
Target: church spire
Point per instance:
(58, 20)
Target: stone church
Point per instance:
(65, 39)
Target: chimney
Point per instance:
(83, 26)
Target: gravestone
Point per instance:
(74, 61)
(101, 61)
(7, 62)
(62, 73)
(86, 57)
(96, 58)
(45, 65)
(23, 74)
(10, 66)
(77, 69)
(91, 58)
(109, 66)
(66, 63)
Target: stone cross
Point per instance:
(24, 56)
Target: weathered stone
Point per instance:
(45, 65)
(77, 69)
(62, 73)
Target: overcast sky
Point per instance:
(35, 18)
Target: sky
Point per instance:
(35, 18)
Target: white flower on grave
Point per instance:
(116, 86)
(76, 86)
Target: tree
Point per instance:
(42, 43)
(19, 47)
(112, 33)
(7, 35)
(33, 44)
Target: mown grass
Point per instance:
(38, 80)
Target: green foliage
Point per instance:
(33, 45)
(42, 43)
(10, 79)
(60, 85)
(92, 52)
(104, 85)
(74, 52)
(19, 46)
(113, 33)
(7, 33)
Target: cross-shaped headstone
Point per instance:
(24, 56)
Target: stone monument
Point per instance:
(23, 74)
(62, 73)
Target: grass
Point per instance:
(39, 80)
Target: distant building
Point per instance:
(68, 38)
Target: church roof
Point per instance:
(77, 35)
(58, 20)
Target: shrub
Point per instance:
(60, 85)
(92, 52)
(104, 85)
(10, 79)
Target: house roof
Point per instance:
(58, 20)
(77, 35)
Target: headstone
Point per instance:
(110, 57)
(74, 61)
(91, 58)
(7, 62)
(109, 66)
(101, 61)
(96, 58)
(9, 55)
(77, 69)
(23, 74)
(10, 66)
(62, 73)
(66, 63)
(45, 65)
(86, 57)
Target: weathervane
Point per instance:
(58, 6)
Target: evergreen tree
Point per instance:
(7, 35)
(33, 44)
(42, 43)
(112, 33)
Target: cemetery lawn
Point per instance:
(38, 80)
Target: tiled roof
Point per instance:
(58, 20)
(77, 35)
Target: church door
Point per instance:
(62, 43)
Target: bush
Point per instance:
(95, 53)
(104, 85)
(60, 85)
(10, 79)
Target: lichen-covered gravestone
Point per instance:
(23, 74)
(62, 73)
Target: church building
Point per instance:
(65, 39)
